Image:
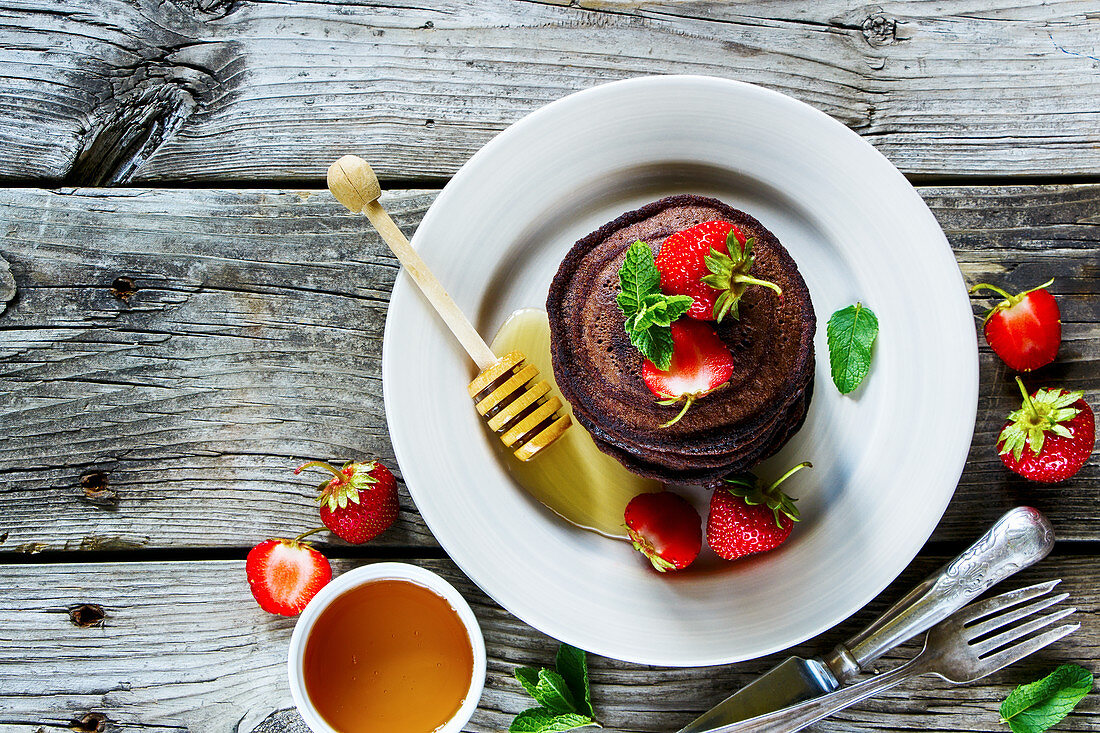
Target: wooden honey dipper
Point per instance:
(505, 392)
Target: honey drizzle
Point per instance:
(572, 477)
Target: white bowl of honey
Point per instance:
(387, 647)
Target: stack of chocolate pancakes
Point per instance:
(600, 372)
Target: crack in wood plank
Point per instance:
(204, 90)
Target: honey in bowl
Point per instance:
(388, 655)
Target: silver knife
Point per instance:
(1018, 540)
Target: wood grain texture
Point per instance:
(253, 341)
(118, 91)
(184, 648)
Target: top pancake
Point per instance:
(600, 372)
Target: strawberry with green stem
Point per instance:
(359, 502)
(1025, 329)
(710, 262)
(665, 528)
(747, 518)
(1025, 446)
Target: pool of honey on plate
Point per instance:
(389, 656)
(572, 477)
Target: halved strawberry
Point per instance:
(701, 363)
(284, 575)
(1025, 330)
(665, 528)
(711, 263)
(1025, 446)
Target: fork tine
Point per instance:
(993, 643)
(996, 622)
(975, 611)
(1015, 653)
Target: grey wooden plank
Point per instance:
(253, 341)
(184, 647)
(109, 91)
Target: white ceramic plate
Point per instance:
(887, 458)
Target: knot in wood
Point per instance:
(86, 615)
(90, 723)
(880, 30)
(96, 490)
(123, 287)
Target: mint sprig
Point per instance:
(563, 695)
(851, 333)
(573, 666)
(1040, 705)
(649, 313)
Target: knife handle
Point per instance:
(1019, 539)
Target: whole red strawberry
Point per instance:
(711, 263)
(746, 518)
(359, 502)
(665, 528)
(1025, 330)
(284, 575)
(1026, 447)
(701, 363)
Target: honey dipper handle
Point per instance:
(354, 184)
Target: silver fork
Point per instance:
(963, 648)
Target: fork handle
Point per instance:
(797, 717)
(1019, 539)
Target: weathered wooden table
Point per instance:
(188, 315)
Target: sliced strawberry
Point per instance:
(1025, 330)
(746, 518)
(359, 502)
(709, 262)
(665, 528)
(701, 363)
(284, 575)
(1050, 437)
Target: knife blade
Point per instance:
(1017, 540)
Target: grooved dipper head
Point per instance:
(353, 183)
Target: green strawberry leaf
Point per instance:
(528, 677)
(573, 667)
(851, 333)
(541, 720)
(647, 311)
(553, 693)
(1040, 705)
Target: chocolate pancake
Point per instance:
(599, 371)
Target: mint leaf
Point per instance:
(553, 693)
(1036, 707)
(851, 333)
(648, 312)
(638, 277)
(541, 720)
(528, 677)
(563, 695)
(655, 344)
(573, 666)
